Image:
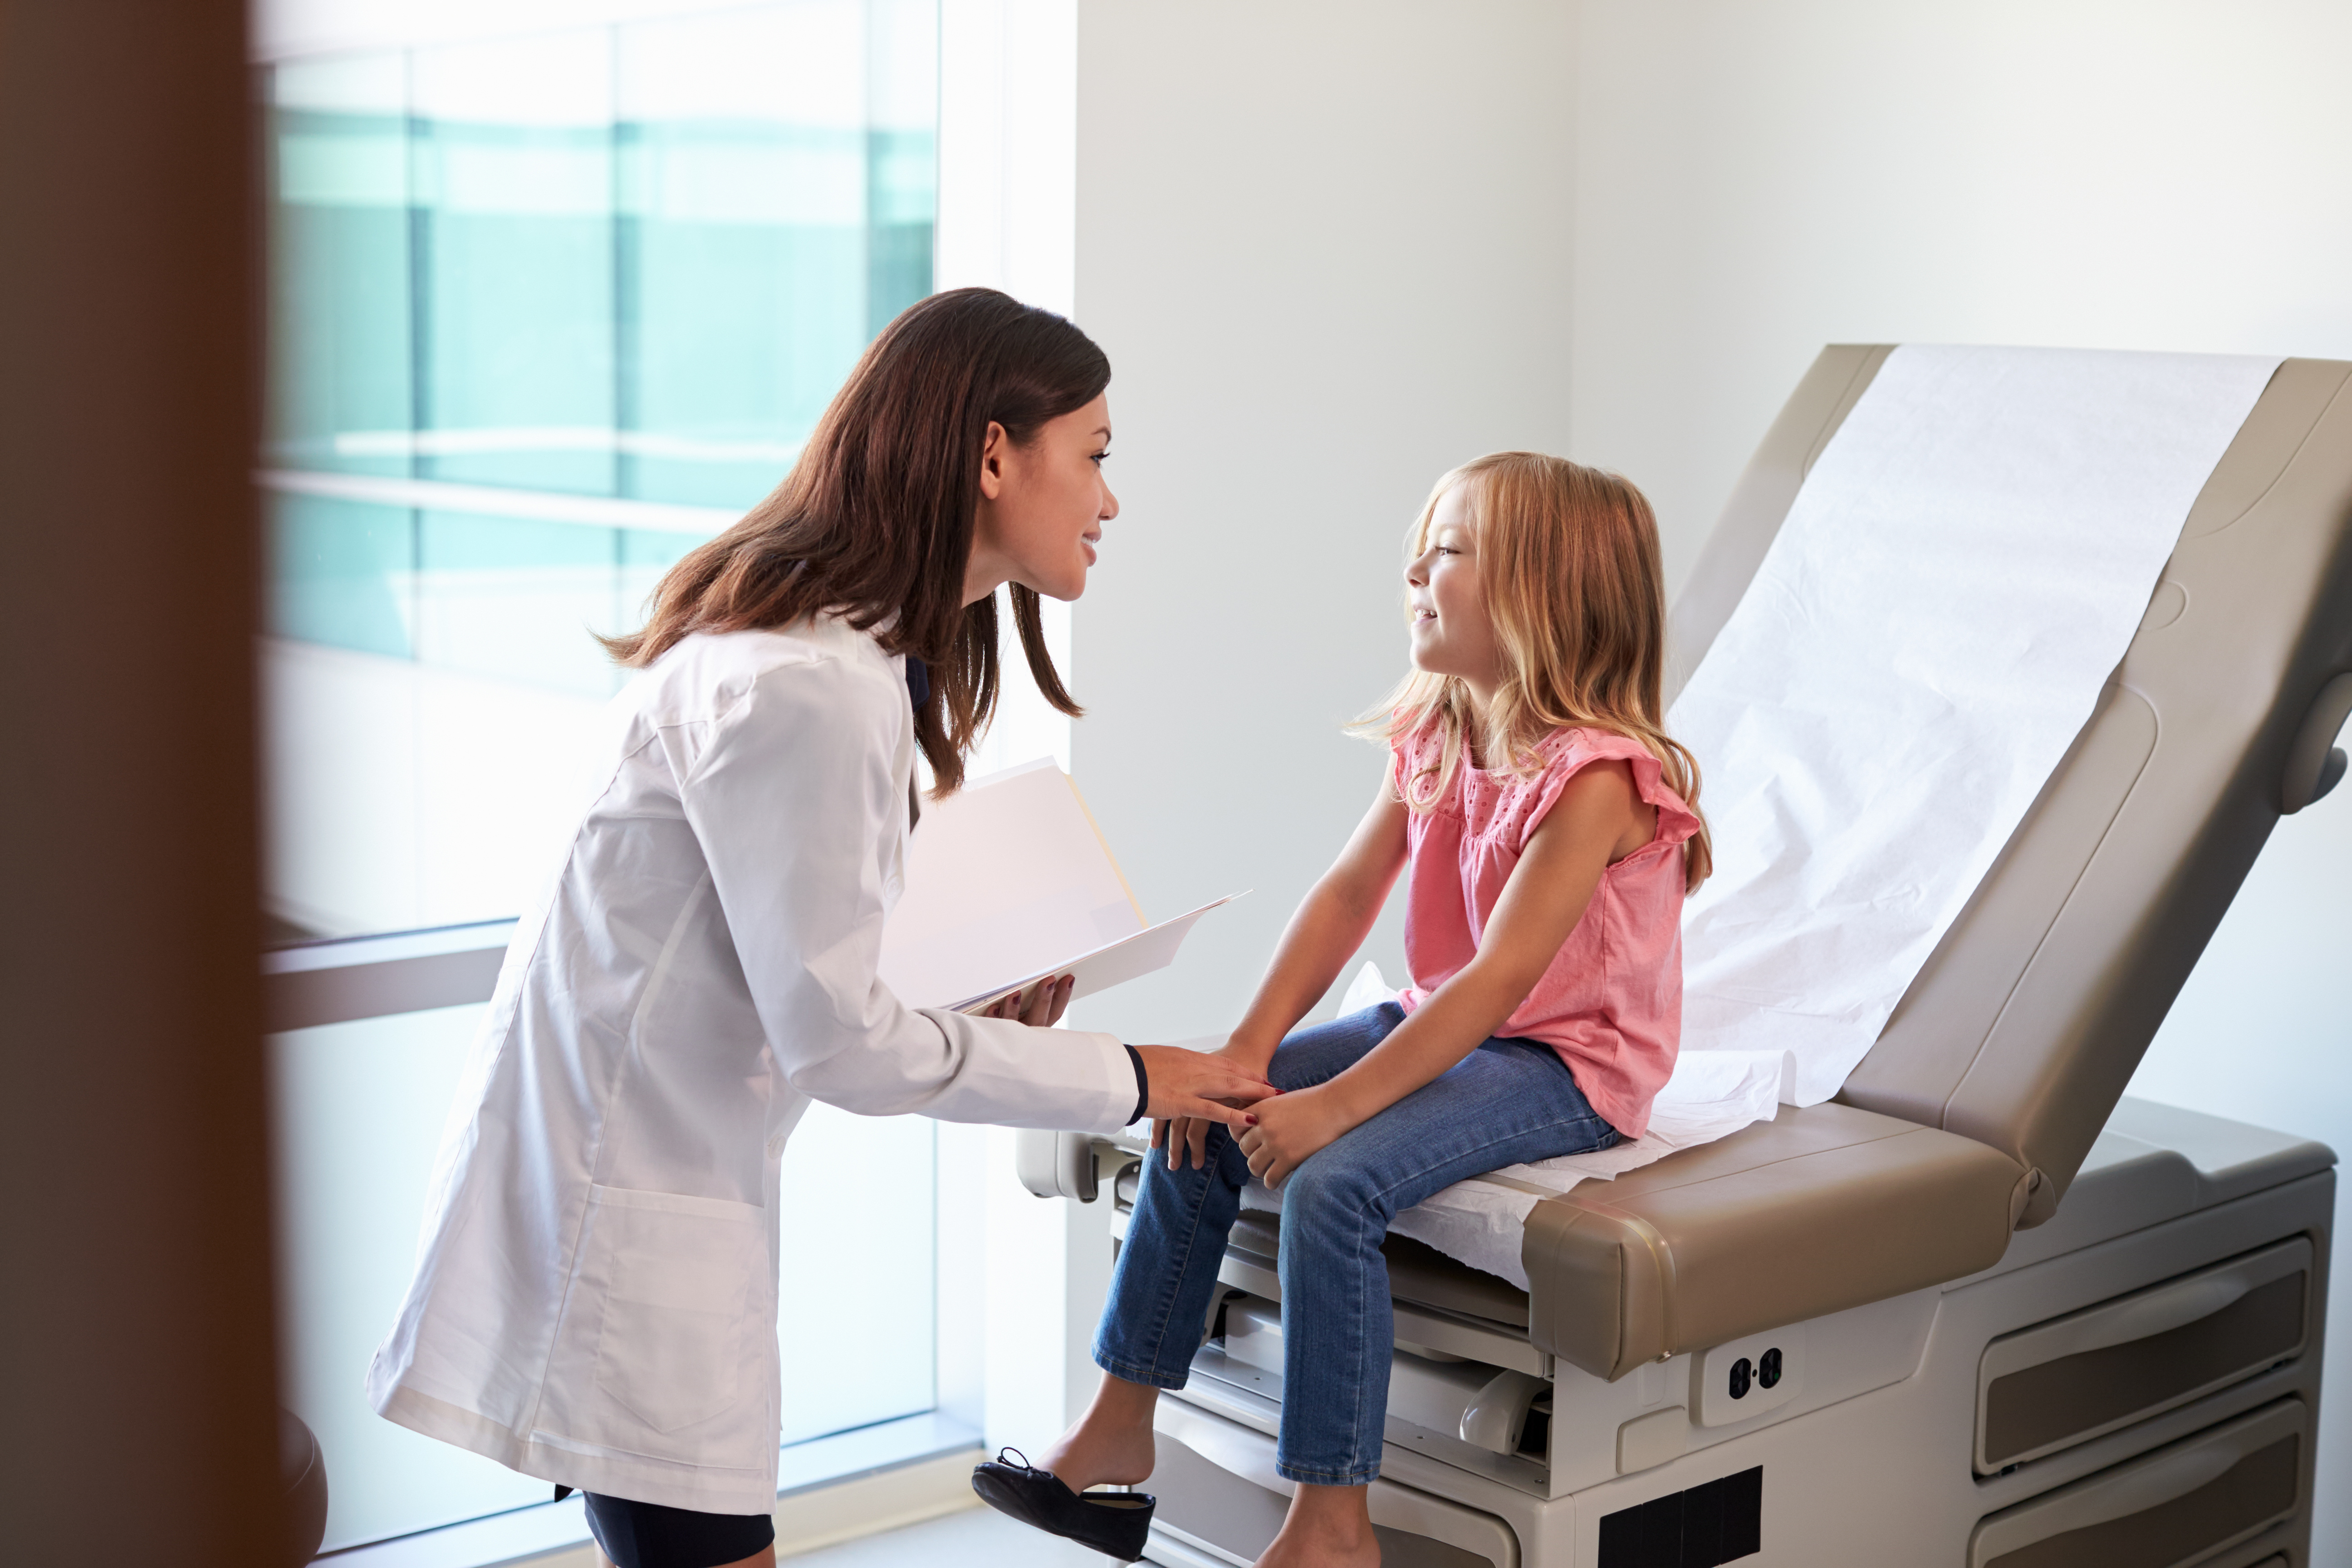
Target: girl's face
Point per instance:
(1042, 506)
(1452, 632)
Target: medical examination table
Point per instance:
(1979, 1309)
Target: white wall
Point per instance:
(1333, 248)
(1325, 247)
(1753, 182)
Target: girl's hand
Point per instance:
(1289, 1129)
(1041, 1006)
(1186, 1138)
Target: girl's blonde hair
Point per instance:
(1567, 559)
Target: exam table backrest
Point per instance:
(2026, 1022)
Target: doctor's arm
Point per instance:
(790, 799)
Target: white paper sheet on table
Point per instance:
(1960, 574)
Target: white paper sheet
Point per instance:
(1008, 881)
(1960, 576)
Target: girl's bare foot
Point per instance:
(1328, 1527)
(1111, 1444)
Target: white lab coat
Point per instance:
(595, 1301)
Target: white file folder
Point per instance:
(1009, 881)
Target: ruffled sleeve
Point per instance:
(1568, 753)
(1409, 754)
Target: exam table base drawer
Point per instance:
(2046, 1388)
(2177, 1506)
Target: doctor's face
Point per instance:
(1043, 505)
(1452, 632)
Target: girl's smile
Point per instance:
(1452, 632)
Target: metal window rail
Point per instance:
(341, 981)
(499, 500)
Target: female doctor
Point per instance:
(595, 1293)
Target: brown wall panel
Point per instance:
(136, 1329)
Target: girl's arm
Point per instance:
(1328, 926)
(1331, 922)
(1598, 818)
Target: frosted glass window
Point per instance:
(858, 1286)
(361, 1109)
(545, 311)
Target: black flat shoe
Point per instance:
(1114, 1523)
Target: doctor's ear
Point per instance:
(992, 461)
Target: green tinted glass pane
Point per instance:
(646, 554)
(655, 549)
(343, 572)
(518, 599)
(340, 392)
(517, 331)
(512, 177)
(742, 336)
(758, 239)
(902, 154)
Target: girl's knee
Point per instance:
(1325, 1190)
(1294, 1068)
(1318, 1052)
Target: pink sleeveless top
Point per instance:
(1612, 1001)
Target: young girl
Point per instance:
(1552, 830)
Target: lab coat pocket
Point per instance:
(678, 1306)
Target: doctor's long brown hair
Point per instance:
(874, 520)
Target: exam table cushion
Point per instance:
(1821, 1208)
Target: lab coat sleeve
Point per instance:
(792, 799)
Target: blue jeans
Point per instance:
(1505, 1102)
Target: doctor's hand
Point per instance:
(1198, 1085)
(1186, 1138)
(1289, 1130)
(1041, 1006)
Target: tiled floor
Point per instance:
(972, 1538)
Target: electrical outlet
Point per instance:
(1748, 1376)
